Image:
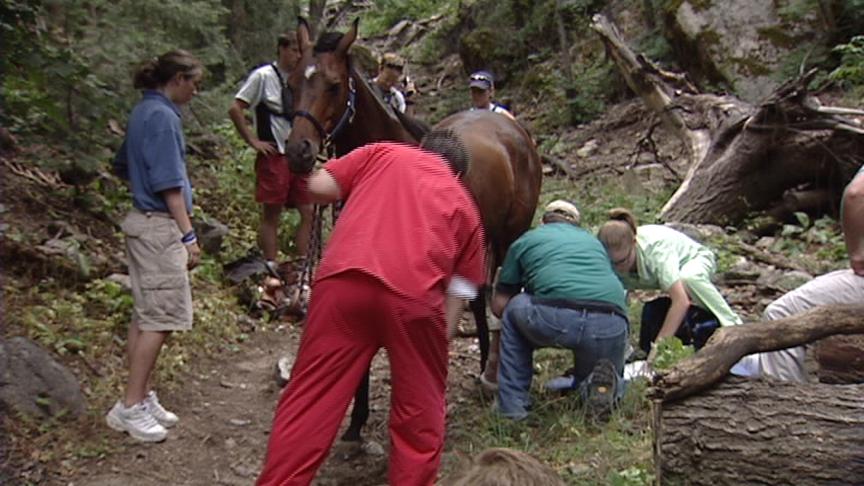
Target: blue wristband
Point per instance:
(189, 238)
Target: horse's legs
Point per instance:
(359, 411)
(478, 308)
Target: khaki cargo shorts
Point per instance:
(157, 269)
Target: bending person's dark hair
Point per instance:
(446, 143)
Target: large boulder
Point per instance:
(740, 43)
(33, 383)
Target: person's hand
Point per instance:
(264, 148)
(194, 253)
(652, 355)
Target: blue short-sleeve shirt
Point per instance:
(153, 156)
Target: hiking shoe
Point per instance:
(561, 383)
(601, 391)
(164, 417)
(137, 421)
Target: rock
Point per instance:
(587, 149)
(743, 270)
(765, 243)
(121, 279)
(210, 235)
(69, 250)
(739, 42)
(792, 280)
(783, 280)
(283, 370)
(33, 383)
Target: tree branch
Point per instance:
(729, 344)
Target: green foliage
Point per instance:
(851, 68)
(384, 14)
(670, 350)
(822, 235)
(63, 89)
(591, 87)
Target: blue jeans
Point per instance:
(527, 326)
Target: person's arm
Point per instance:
(459, 290)
(239, 120)
(453, 308)
(499, 302)
(853, 223)
(323, 188)
(177, 207)
(675, 315)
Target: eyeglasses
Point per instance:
(397, 67)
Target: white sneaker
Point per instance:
(164, 417)
(137, 421)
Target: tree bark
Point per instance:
(729, 344)
(762, 432)
(742, 157)
(316, 16)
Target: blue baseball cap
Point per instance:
(481, 79)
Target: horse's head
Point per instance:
(321, 93)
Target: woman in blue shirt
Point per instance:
(160, 242)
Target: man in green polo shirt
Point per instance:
(557, 288)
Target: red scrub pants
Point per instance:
(351, 316)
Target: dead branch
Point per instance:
(729, 344)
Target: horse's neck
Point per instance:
(373, 121)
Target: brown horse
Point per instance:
(334, 104)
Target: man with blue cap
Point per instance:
(482, 85)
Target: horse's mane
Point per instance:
(417, 128)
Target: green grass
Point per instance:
(557, 432)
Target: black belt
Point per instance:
(596, 306)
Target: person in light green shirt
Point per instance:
(658, 257)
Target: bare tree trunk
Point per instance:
(762, 432)
(316, 16)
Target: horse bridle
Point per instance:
(347, 116)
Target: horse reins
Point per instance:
(313, 252)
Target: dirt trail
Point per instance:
(226, 409)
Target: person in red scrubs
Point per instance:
(407, 249)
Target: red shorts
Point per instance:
(276, 184)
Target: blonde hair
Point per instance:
(618, 233)
(508, 467)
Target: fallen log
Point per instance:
(711, 428)
(746, 431)
(742, 157)
(729, 344)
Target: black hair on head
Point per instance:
(446, 143)
(328, 41)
